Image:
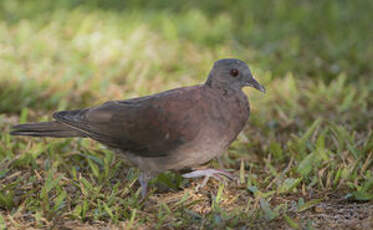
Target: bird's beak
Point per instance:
(253, 83)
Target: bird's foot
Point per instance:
(218, 174)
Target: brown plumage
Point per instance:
(172, 130)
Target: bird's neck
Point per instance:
(222, 87)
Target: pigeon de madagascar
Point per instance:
(173, 130)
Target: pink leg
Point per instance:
(218, 174)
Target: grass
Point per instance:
(306, 153)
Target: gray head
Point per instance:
(232, 73)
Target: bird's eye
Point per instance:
(234, 72)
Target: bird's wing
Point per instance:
(149, 126)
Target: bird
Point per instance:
(174, 130)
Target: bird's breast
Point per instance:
(229, 113)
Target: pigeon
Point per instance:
(174, 130)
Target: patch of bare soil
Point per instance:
(340, 216)
(332, 215)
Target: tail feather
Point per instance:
(45, 129)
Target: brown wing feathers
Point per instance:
(45, 129)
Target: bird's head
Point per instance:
(232, 73)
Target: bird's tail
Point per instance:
(45, 129)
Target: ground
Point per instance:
(304, 160)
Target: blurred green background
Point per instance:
(311, 135)
(74, 41)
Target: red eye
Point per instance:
(234, 72)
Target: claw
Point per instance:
(226, 174)
(218, 174)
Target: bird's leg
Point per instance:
(220, 161)
(144, 179)
(207, 173)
